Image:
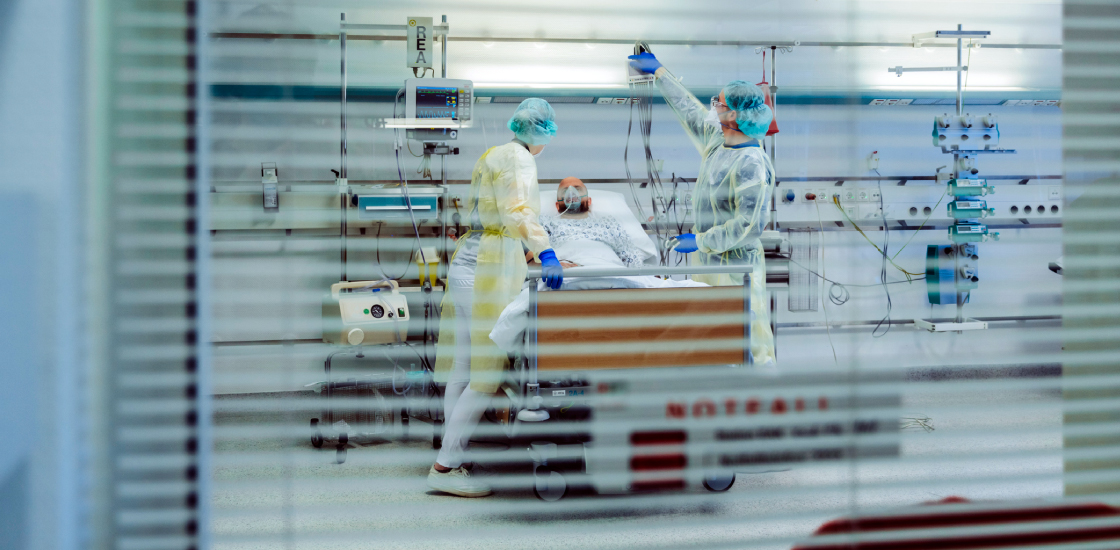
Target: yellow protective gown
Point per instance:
(731, 206)
(504, 191)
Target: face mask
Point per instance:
(573, 201)
(713, 119)
(538, 154)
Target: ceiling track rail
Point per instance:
(628, 41)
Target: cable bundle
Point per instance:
(663, 210)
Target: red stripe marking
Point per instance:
(658, 462)
(671, 437)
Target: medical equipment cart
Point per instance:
(371, 393)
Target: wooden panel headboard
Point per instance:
(636, 328)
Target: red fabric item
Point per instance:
(926, 518)
(768, 98)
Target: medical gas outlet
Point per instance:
(365, 313)
(965, 132)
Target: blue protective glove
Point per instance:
(686, 242)
(645, 62)
(551, 270)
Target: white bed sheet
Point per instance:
(509, 332)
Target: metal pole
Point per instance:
(960, 103)
(749, 354)
(443, 45)
(773, 200)
(342, 166)
(956, 162)
(342, 45)
(533, 320)
(774, 96)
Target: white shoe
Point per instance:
(457, 482)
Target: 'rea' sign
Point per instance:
(420, 42)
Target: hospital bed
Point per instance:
(634, 390)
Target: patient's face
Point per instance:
(572, 199)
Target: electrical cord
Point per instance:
(795, 262)
(968, 64)
(640, 95)
(377, 256)
(824, 306)
(425, 168)
(836, 203)
(411, 214)
(915, 234)
(883, 269)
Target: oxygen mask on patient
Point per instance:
(573, 201)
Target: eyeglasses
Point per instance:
(717, 103)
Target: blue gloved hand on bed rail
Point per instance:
(686, 243)
(551, 270)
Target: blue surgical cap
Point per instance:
(753, 115)
(534, 121)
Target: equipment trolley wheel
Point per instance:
(316, 436)
(718, 483)
(549, 486)
(340, 451)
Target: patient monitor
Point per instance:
(365, 312)
(438, 99)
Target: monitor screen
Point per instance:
(436, 102)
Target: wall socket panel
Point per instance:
(912, 203)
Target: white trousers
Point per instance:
(462, 406)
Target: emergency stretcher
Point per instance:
(634, 390)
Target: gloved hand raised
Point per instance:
(645, 62)
(686, 242)
(551, 270)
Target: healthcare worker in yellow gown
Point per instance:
(733, 187)
(486, 274)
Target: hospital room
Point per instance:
(361, 274)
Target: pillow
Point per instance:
(609, 203)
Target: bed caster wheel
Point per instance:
(437, 442)
(340, 451)
(316, 436)
(549, 486)
(404, 424)
(718, 483)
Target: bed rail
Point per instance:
(535, 272)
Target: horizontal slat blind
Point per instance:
(151, 452)
(852, 436)
(1091, 321)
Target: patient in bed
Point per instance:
(582, 239)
